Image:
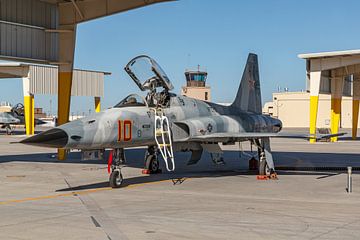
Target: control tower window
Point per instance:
(198, 77)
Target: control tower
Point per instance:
(196, 85)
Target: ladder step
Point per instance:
(164, 144)
(159, 132)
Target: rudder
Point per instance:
(248, 97)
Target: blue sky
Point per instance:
(218, 35)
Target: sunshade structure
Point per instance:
(44, 31)
(42, 79)
(339, 72)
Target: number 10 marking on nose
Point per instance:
(124, 130)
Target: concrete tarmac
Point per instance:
(42, 198)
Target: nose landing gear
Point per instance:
(116, 162)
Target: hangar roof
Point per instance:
(44, 78)
(20, 64)
(330, 54)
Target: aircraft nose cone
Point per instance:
(54, 138)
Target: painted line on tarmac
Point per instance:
(99, 216)
(74, 193)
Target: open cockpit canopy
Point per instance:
(147, 74)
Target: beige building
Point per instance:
(5, 107)
(293, 109)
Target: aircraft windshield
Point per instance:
(132, 100)
(147, 74)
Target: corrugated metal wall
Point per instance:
(22, 29)
(88, 83)
(43, 80)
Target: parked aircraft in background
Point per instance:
(15, 117)
(6, 120)
(166, 122)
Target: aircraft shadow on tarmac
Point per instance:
(233, 159)
(300, 163)
(176, 178)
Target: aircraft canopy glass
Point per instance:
(147, 74)
(133, 100)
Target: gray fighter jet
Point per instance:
(166, 122)
(15, 117)
(6, 120)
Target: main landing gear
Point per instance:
(152, 164)
(116, 162)
(266, 163)
(8, 129)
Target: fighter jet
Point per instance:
(166, 123)
(18, 112)
(6, 120)
(15, 117)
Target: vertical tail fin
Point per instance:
(248, 97)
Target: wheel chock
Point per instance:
(145, 171)
(274, 176)
(262, 177)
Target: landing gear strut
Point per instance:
(8, 129)
(118, 160)
(152, 164)
(266, 163)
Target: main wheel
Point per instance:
(8, 130)
(262, 167)
(154, 165)
(116, 179)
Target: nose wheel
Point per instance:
(116, 179)
(116, 162)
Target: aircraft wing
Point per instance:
(218, 137)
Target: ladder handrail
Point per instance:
(165, 149)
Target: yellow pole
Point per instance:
(64, 95)
(314, 102)
(97, 104)
(66, 51)
(335, 117)
(315, 78)
(337, 86)
(355, 117)
(29, 114)
(28, 107)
